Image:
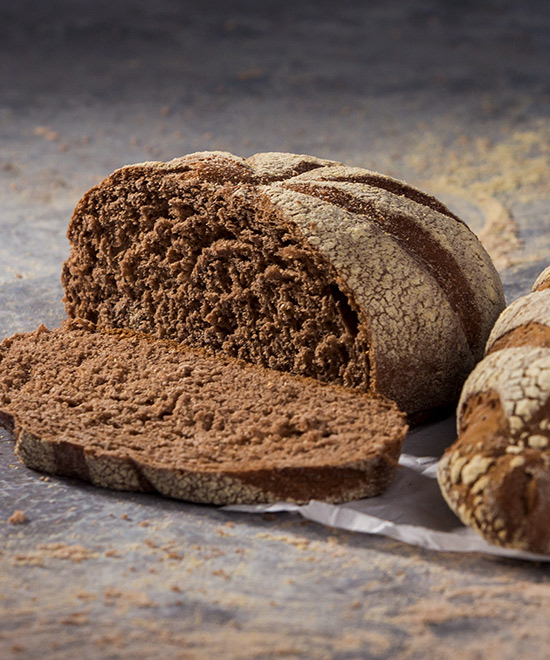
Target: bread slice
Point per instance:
(290, 262)
(128, 412)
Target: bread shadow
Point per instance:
(431, 439)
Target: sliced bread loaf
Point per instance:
(290, 262)
(128, 412)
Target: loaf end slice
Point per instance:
(127, 412)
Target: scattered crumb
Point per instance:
(47, 133)
(174, 555)
(144, 523)
(214, 553)
(300, 543)
(111, 639)
(74, 619)
(18, 517)
(113, 596)
(17, 648)
(29, 559)
(111, 593)
(76, 553)
(140, 599)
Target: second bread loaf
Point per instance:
(496, 476)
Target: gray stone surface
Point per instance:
(451, 96)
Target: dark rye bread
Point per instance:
(496, 476)
(290, 262)
(131, 413)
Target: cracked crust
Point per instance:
(403, 293)
(130, 412)
(543, 280)
(496, 476)
(525, 322)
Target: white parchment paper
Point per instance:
(412, 510)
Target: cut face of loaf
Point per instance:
(290, 262)
(496, 477)
(131, 413)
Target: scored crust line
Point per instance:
(420, 246)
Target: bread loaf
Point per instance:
(131, 413)
(290, 262)
(496, 476)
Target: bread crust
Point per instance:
(423, 289)
(543, 280)
(496, 476)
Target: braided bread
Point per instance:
(496, 476)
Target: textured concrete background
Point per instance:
(451, 96)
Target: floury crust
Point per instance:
(496, 476)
